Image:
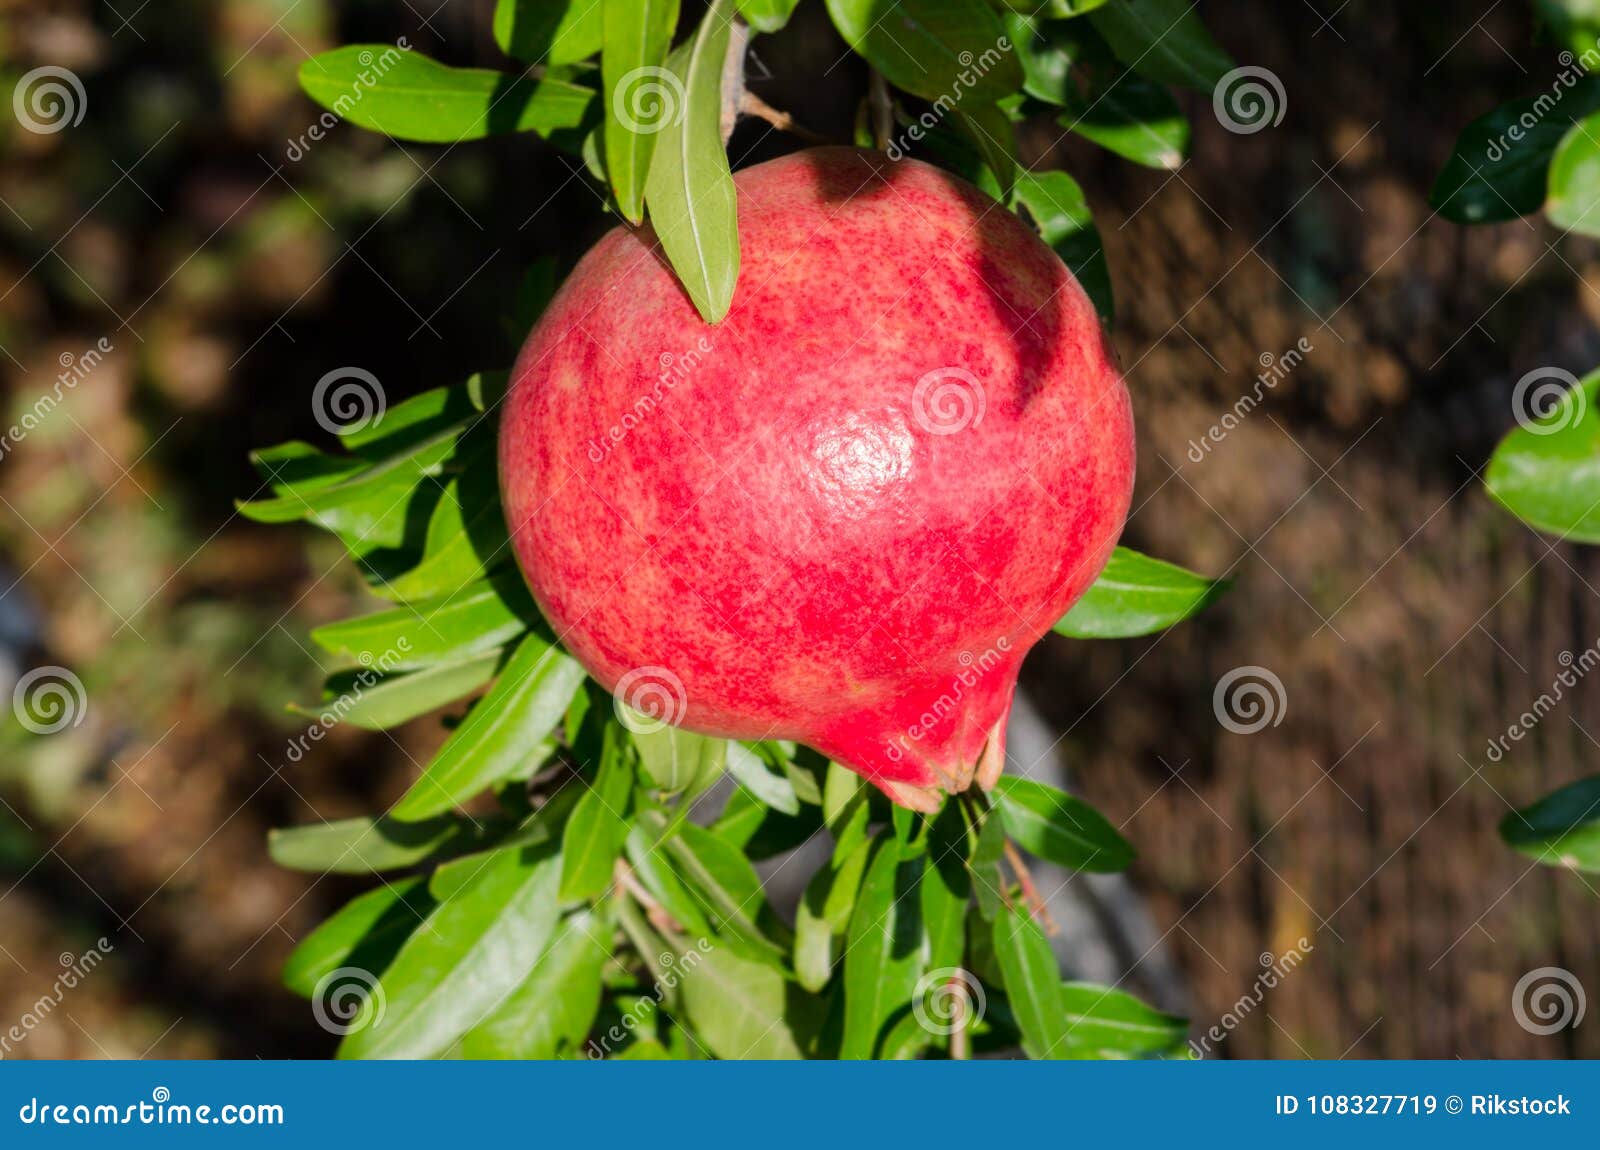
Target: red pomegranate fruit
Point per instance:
(844, 514)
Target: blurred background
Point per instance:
(194, 267)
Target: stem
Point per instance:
(733, 76)
(882, 109)
(753, 105)
(659, 916)
(960, 1040)
(1029, 891)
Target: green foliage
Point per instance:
(1561, 829)
(546, 892)
(1543, 471)
(1164, 40)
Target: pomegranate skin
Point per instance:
(845, 513)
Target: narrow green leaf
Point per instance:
(482, 618)
(1138, 595)
(1561, 829)
(906, 1039)
(376, 702)
(1103, 1019)
(641, 95)
(1060, 828)
(679, 760)
(738, 1008)
(767, 15)
(466, 536)
(690, 191)
(1057, 206)
(990, 130)
(476, 947)
(548, 31)
(370, 845)
(726, 887)
(509, 723)
(1547, 471)
(1164, 40)
(1573, 202)
(848, 867)
(938, 49)
(775, 790)
(1033, 983)
(813, 933)
(652, 869)
(551, 1012)
(1046, 56)
(364, 934)
(884, 956)
(598, 827)
(988, 880)
(409, 96)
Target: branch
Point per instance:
(753, 105)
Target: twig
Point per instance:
(882, 109)
(659, 916)
(1029, 891)
(960, 1040)
(753, 105)
(733, 76)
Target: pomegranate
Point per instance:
(844, 514)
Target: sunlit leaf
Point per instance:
(1138, 595)
(1060, 827)
(1561, 829)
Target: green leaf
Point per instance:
(739, 1009)
(990, 130)
(1046, 54)
(774, 790)
(1138, 595)
(482, 618)
(988, 880)
(848, 866)
(1060, 828)
(690, 190)
(767, 15)
(1561, 829)
(598, 827)
(376, 702)
(652, 869)
(548, 31)
(1062, 9)
(552, 1011)
(466, 536)
(1164, 40)
(509, 723)
(1500, 168)
(937, 49)
(813, 933)
(638, 94)
(1057, 206)
(1033, 983)
(409, 96)
(477, 946)
(678, 760)
(365, 934)
(726, 888)
(1102, 1019)
(1134, 118)
(1547, 471)
(369, 845)
(1574, 192)
(884, 956)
